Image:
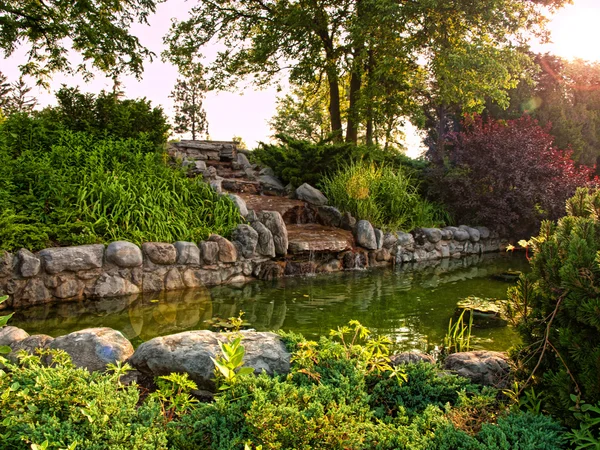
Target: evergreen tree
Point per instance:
(188, 95)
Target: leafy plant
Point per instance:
(4, 349)
(229, 365)
(588, 416)
(173, 394)
(386, 196)
(458, 337)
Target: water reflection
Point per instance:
(411, 303)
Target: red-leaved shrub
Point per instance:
(506, 175)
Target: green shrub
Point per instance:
(82, 189)
(298, 162)
(60, 406)
(385, 196)
(556, 306)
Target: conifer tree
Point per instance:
(188, 96)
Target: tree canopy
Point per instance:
(396, 55)
(98, 29)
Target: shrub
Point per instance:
(82, 189)
(385, 196)
(60, 406)
(557, 303)
(506, 176)
(298, 162)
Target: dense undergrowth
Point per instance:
(65, 187)
(339, 395)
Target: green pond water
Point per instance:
(412, 304)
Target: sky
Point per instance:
(246, 113)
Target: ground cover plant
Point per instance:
(342, 392)
(386, 196)
(63, 187)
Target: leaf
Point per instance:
(5, 319)
(5, 349)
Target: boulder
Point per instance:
(267, 171)
(200, 166)
(10, 335)
(240, 204)
(94, 348)
(74, 259)
(247, 238)
(481, 367)
(30, 345)
(29, 264)
(6, 264)
(124, 254)
(474, 235)
(413, 357)
(34, 292)
(174, 281)
(311, 195)
(114, 286)
(378, 238)
(461, 235)
(405, 239)
(365, 235)
(484, 232)
(69, 287)
(188, 253)
(271, 183)
(191, 352)
(227, 251)
(348, 222)
(275, 224)
(329, 216)
(199, 277)
(448, 233)
(160, 252)
(265, 245)
(243, 161)
(389, 240)
(433, 235)
(210, 252)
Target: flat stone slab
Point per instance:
(309, 237)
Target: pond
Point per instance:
(412, 304)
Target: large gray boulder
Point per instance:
(94, 348)
(240, 203)
(10, 335)
(188, 253)
(114, 286)
(247, 237)
(389, 240)
(6, 264)
(329, 216)
(74, 259)
(243, 161)
(461, 235)
(209, 251)
(160, 253)
(124, 254)
(433, 235)
(405, 239)
(271, 183)
(29, 345)
(365, 235)
(484, 232)
(474, 235)
(265, 245)
(481, 367)
(414, 357)
(29, 264)
(275, 224)
(191, 351)
(311, 195)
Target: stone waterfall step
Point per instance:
(311, 237)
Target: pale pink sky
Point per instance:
(246, 113)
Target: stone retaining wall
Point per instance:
(258, 250)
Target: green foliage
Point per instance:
(173, 394)
(4, 349)
(107, 114)
(70, 188)
(63, 407)
(98, 31)
(297, 162)
(556, 307)
(188, 95)
(587, 435)
(229, 365)
(458, 337)
(387, 197)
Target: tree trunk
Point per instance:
(370, 65)
(352, 127)
(194, 117)
(334, 108)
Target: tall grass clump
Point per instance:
(83, 189)
(386, 196)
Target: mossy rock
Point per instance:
(487, 312)
(510, 276)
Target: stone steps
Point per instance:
(292, 211)
(315, 238)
